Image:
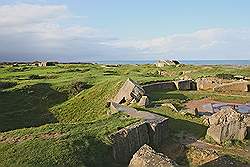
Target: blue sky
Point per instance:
(80, 30)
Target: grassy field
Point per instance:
(46, 120)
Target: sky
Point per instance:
(89, 30)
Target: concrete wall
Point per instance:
(186, 85)
(234, 87)
(209, 83)
(128, 140)
(176, 85)
(160, 86)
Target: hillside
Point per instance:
(57, 116)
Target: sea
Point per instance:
(194, 62)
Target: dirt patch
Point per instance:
(200, 156)
(199, 103)
(14, 139)
(208, 105)
(50, 135)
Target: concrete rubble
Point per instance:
(227, 124)
(147, 157)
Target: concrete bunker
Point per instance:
(129, 91)
(152, 131)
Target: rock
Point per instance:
(191, 111)
(164, 73)
(144, 101)
(200, 155)
(162, 63)
(147, 157)
(227, 124)
(206, 84)
(242, 86)
(170, 105)
(130, 91)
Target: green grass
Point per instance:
(78, 144)
(35, 108)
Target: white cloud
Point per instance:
(24, 14)
(35, 32)
(215, 43)
(29, 32)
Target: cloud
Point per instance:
(38, 32)
(30, 32)
(217, 43)
(25, 14)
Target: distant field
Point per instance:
(56, 116)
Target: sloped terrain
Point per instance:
(46, 121)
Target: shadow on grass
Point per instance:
(164, 95)
(94, 153)
(182, 132)
(28, 107)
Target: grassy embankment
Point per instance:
(45, 122)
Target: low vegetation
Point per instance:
(56, 116)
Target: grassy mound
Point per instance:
(59, 145)
(89, 105)
(50, 119)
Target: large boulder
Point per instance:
(147, 157)
(227, 124)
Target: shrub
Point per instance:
(225, 76)
(33, 76)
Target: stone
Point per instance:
(206, 84)
(147, 157)
(191, 111)
(170, 105)
(242, 86)
(129, 91)
(162, 63)
(144, 101)
(164, 73)
(227, 124)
